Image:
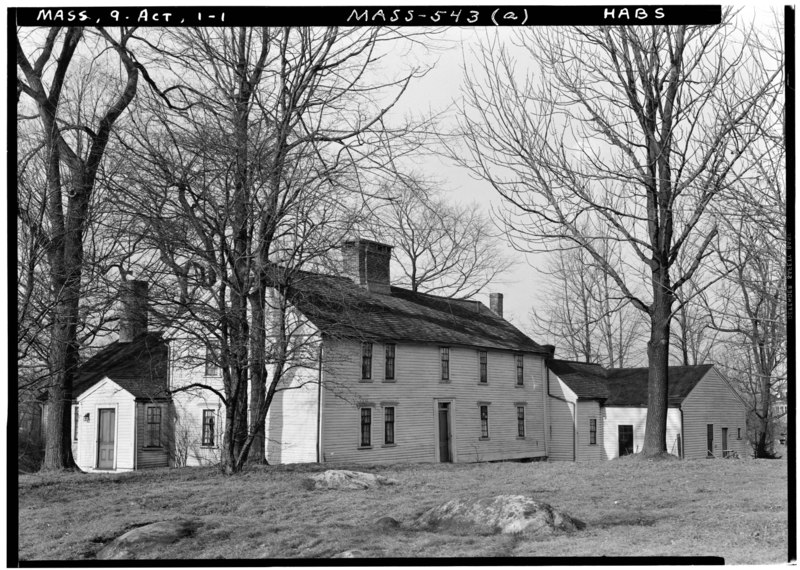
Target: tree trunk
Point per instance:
(655, 440)
(258, 377)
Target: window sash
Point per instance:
(445, 352)
(388, 435)
(484, 372)
(208, 428)
(153, 414)
(520, 370)
(389, 372)
(485, 421)
(592, 431)
(212, 359)
(366, 427)
(520, 421)
(366, 360)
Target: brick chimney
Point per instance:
(496, 303)
(133, 310)
(367, 264)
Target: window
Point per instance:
(153, 436)
(388, 422)
(209, 419)
(445, 364)
(366, 427)
(389, 362)
(484, 422)
(738, 433)
(592, 431)
(484, 374)
(521, 421)
(366, 360)
(212, 359)
(76, 416)
(519, 360)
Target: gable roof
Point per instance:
(585, 379)
(628, 386)
(140, 367)
(341, 309)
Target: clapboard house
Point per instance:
(597, 413)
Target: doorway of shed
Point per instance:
(625, 440)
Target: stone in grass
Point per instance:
(346, 480)
(387, 523)
(355, 553)
(505, 514)
(137, 542)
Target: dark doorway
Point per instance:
(105, 438)
(625, 440)
(710, 439)
(444, 433)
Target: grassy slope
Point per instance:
(734, 509)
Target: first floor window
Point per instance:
(212, 359)
(520, 369)
(521, 421)
(484, 422)
(366, 427)
(209, 421)
(153, 438)
(445, 352)
(738, 433)
(592, 431)
(76, 419)
(366, 360)
(388, 434)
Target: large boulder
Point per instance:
(135, 543)
(344, 479)
(506, 514)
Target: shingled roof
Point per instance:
(341, 309)
(140, 367)
(628, 386)
(585, 379)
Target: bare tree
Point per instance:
(254, 168)
(630, 132)
(441, 247)
(74, 147)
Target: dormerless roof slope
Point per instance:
(140, 367)
(624, 386)
(341, 309)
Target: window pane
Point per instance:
(208, 427)
(592, 431)
(484, 421)
(519, 369)
(366, 360)
(366, 427)
(520, 421)
(389, 429)
(484, 376)
(390, 361)
(445, 363)
(153, 427)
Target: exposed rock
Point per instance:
(507, 514)
(387, 523)
(343, 479)
(350, 554)
(132, 544)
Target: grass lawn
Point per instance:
(736, 509)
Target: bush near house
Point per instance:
(632, 507)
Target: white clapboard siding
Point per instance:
(561, 430)
(106, 394)
(713, 401)
(148, 457)
(291, 425)
(637, 417)
(414, 394)
(586, 451)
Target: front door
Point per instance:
(444, 432)
(724, 442)
(105, 439)
(710, 439)
(625, 440)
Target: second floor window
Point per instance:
(592, 431)
(366, 360)
(212, 359)
(390, 361)
(483, 366)
(520, 370)
(153, 426)
(445, 353)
